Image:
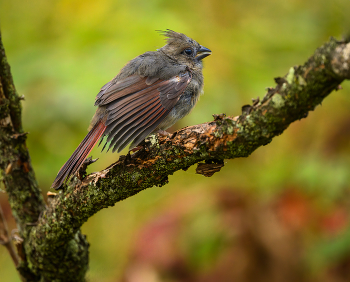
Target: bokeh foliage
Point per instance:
(62, 52)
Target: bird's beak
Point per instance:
(202, 53)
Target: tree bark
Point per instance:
(25, 198)
(55, 249)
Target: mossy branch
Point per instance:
(16, 172)
(18, 178)
(299, 92)
(56, 240)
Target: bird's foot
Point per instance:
(164, 133)
(82, 170)
(127, 159)
(137, 148)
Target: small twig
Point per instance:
(5, 240)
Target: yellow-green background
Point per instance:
(62, 52)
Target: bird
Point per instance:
(150, 94)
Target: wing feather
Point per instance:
(136, 105)
(113, 86)
(130, 117)
(128, 128)
(149, 125)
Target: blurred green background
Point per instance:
(280, 215)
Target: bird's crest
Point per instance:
(172, 37)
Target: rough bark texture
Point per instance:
(24, 195)
(55, 250)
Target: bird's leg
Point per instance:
(141, 146)
(127, 159)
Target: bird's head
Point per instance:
(183, 49)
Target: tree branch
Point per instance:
(300, 91)
(18, 177)
(16, 171)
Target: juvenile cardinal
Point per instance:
(150, 94)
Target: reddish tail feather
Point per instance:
(79, 155)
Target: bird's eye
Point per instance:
(188, 51)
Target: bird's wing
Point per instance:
(136, 105)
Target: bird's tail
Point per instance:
(79, 155)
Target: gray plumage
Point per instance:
(150, 93)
